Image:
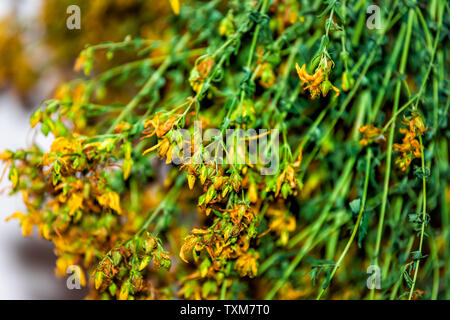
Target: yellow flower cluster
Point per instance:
(318, 82)
(410, 147)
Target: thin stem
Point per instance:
(424, 214)
(355, 229)
(387, 174)
(223, 290)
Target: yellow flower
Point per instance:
(14, 177)
(410, 148)
(416, 124)
(371, 134)
(191, 181)
(79, 63)
(266, 75)
(64, 145)
(282, 225)
(288, 177)
(304, 75)
(226, 26)
(246, 264)
(144, 263)
(62, 92)
(26, 221)
(124, 291)
(82, 277)
(44, 230)
(62, 263)
(318, 82)
(35, 118)
(186, 250)
(110, 200)
(158, 126)
(126, 167)
(200, 73)
(252, 193)
(164, 148)
(6, 155)
(98, 279)
(347, 81)
(175, 4)
(75, 202)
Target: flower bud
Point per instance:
(149, 245)
(347, 81)
(285, 190)
(144, 263)
(116, 257)
(126, 167)
(418, 124)
(14, 177)
(210, 194)
(35, 117)
(112, 289)
(325, 87)
(124, 291)
(226, 190)
(252, 193)
(218, 181)
(226, 26)
(98, 280)
(191, 181)
(203, 174)
(236, 181)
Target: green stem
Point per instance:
(397, 284)
(402, 67)
(424, 214)
(223, 290)
(355, 229)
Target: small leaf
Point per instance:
(355, 205)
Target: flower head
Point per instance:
(318, 82)
(200, 73)
(371, 134)
(410, 146)
(247, 264)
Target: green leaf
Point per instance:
(355, 205)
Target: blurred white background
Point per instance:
(26, 264)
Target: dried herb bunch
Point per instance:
(361, 177)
